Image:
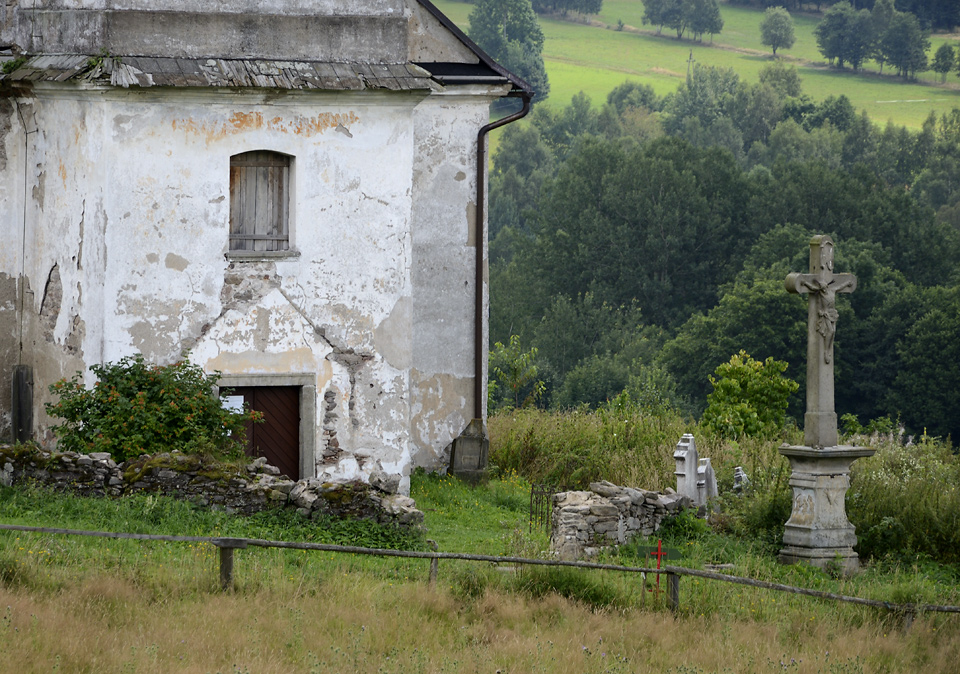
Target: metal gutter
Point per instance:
(480, 347)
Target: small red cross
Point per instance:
(659, 554)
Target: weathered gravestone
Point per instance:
(818, 531)
(469, 453)
(696, 478)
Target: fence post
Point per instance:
(227, 546)
(434, 563)
(673, 591)
(908, 615)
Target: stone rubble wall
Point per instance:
(584, 521)
(259, 487)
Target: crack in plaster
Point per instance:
(348, 357)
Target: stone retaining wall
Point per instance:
(258, 487)
(584, 521)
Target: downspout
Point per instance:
(21, 394)
(23, 232)
(479, 390)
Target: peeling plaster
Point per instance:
(174, 261)
(9, 349)
(39, 190)
(438, 414)
(241, 122)
(50, 303)
(6, 125)
(392, 336)
(158, 335)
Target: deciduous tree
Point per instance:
(776, 29)
(943, 60)
(509, 32)
(703, 17)
(905, 45)
(846, 35)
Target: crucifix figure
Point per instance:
(820, 421)
(818, 531)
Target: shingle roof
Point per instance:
(187, 72)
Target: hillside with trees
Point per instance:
(638, 246)
(932, 14)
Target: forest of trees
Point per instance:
(850, 36)
(638, 246)
(693, 16)
(932, 14)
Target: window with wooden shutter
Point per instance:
(259, 201)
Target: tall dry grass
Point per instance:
(625, 445)
(350, 622)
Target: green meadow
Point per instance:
(596, 57)
(73, 604)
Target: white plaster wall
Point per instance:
(444, 278)
(128, 195)
(131, 202)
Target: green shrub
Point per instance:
(139, 408)
(513, 376)
(684, 527)
(749, 397)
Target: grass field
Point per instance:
(91, 605)
(594, 59)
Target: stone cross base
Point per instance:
(818, 531)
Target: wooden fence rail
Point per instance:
(673, 573)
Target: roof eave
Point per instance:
(518, 82)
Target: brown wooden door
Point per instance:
(277, 438)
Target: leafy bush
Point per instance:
(139, 408)
(684, 527)
(594, 381)
(513, 376)
(749, 397)
(905, 500)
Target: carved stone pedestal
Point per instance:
(818, 531)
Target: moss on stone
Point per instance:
(19, 453)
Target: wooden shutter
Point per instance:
(259, 201)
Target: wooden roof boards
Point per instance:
(139, 71)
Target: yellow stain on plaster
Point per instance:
(62, 172)
(259, 362)
(240, 122)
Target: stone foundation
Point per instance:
(259, 486)
(607, 515)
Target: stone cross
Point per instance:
(820, 421)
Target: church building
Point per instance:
(292, 192)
